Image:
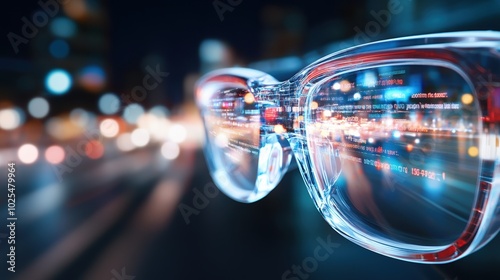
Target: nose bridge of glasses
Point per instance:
(282, 116)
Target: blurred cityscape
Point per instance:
(97, 113)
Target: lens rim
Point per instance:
(474, 233)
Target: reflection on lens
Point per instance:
(245, 163)
(396, 150)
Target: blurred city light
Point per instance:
(140, 137)
(409, 147)
(38, 107)
(109, 104)
(81, 117)
(27, 153)
(467, 98)
(249, 98)
(473, 151)
(63, 27)
(55, 154)
(59, 48)
(62, 129)
(345, 86)
(212, 51)
(160, 129)
(279, 128)
(94, 149)
(58, 81)
(92, 78)
(154, 125)
(170, 150)
(314, 105)
(124, 142)
(132, 113)
(159, 111)
(11, 118)
(109, 128)
(177, 133)
(222, 140)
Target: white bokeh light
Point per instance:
(10, 119)
(170, 150)
(38, 107)
(27, 153)
(109, 128)
(140, 137)
(124, 142)
(177, 133)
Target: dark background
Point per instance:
(121, 211)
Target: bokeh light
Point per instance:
(38, 107)
(159, 111)
(345, 86)
(94, 149)
(221, 140)
(109, 103)
(59, 48)
(132, 113)
(92, 78)
(61, 128)
(10, 119)
(81, 117)
(63, 27)
(109, 128)
(473, 151)
(279, 129)
(212, 51)
(249, 98)
(178, 133)
(55, 154)
(58, 81)
(409, 147)
(27, 153)
(314, 105)
(124, 142)
(467, 98)
(140, 137)
(76, 9)
(170, 150)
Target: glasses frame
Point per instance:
(450, 49)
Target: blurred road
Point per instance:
(120, 218)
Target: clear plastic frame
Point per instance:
(397, 140)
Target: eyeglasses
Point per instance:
(397, 140)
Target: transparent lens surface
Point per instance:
(395, 149)
(245, 159)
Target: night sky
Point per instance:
(174, 30)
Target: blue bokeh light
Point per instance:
(59, 48)
(58, 81)
(63, 27)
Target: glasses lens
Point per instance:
(246, 161)
(395, 150)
